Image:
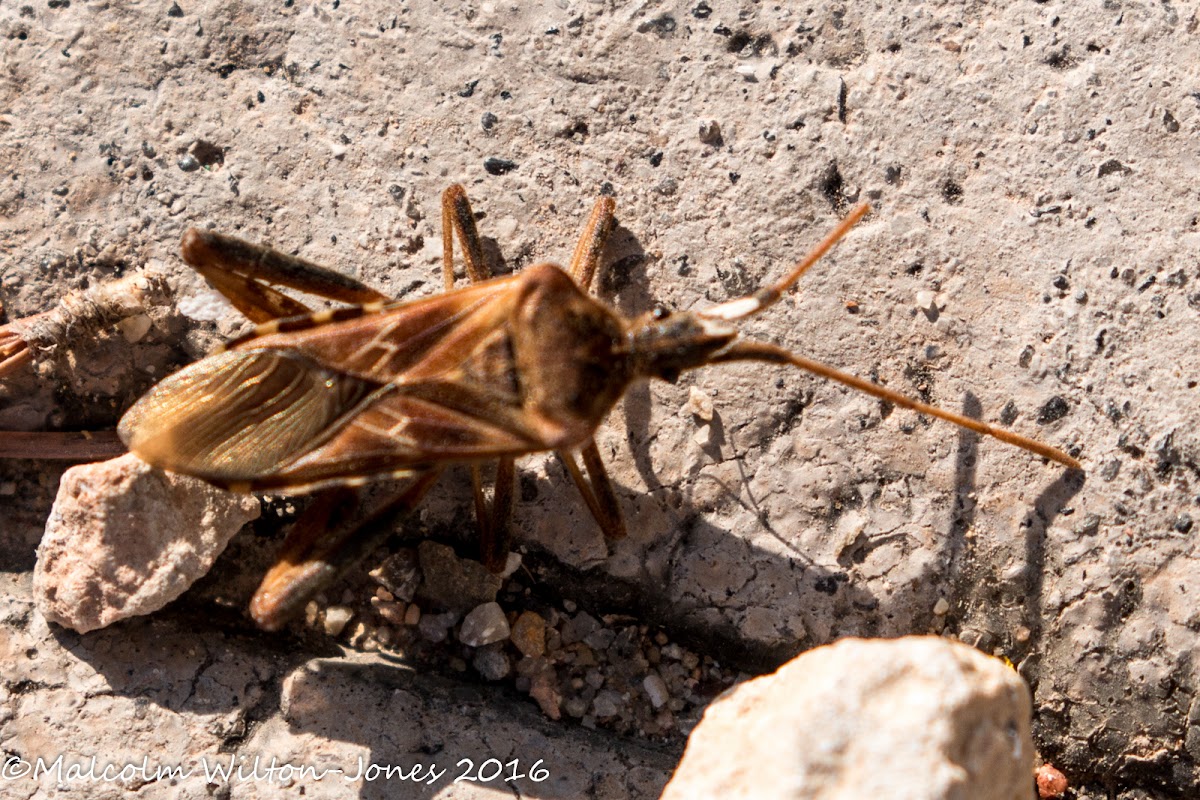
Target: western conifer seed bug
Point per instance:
(492, 371)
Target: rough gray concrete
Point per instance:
(1033, 167)
(175, 712)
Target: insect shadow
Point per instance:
(393, 716)
(447, 720)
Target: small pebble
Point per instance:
(435, 627)
(498, 166)
(575, 707)
(483, 625)
(529, 633)
(399, 574)
(543, 692)
(492, 664)
(134, 328)
(1015, 573)
(607, 704)
(667, 186)
(579, 626)
(925, 300)
(360, 636)
(336, 619)
(1090, 526)
(584, 655)
(413, 615)
(656, 690)
(393, 612)
(700, 404)
(600, 640)
(511, 565)
(1050, 782)
(453, 582)
(941, 607)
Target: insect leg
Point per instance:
(323, 543)
(77, 446)
(457, 218)
(494, 533)
(13, 351)
(243, 271)
(492, 523)
(595, 487)
(599, 226)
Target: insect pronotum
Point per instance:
(489, 372)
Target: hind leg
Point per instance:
(594, 485)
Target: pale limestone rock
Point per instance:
(918, 717)
(485, 624)
(125, 539)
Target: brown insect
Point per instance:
(400, 389)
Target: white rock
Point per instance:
(918, 717)
(656, 690)
(483, 625)
(135, 328)
(511, 565)
(337, 618)
(699, 404)
(125, 539)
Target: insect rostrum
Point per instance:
(492, 371)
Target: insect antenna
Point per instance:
(768, 296)
(762, 299)
(762, 351)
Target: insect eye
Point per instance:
(660, 312)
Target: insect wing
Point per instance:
(318, 400)
(238, 415)
(398, 343)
